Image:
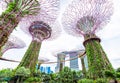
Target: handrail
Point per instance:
(46, 62)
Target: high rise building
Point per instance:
(74, 63)
(60, 61)
(46, 69)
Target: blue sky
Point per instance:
(110, 36)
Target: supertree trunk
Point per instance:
(39, 64)
(97, 59)
(83, 67)
(10, 18)
(61, 67)
(30, 58)
(8, 25)
(86, 17)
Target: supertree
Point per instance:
(60, 61)
(40, 27)
(85, 17)
(42, 60)
(13, 42)
(13, 11)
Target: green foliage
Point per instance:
(22, 71)
(6, 73)
(33, 79)
(97, 60)
(118, 74)
(31, 56)
(86, 81)
(11, 7)
(101, 80)
(118, 70)
(110, 74)
(68, 76)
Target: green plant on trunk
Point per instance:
(16, 9)
(97, 60)
(30, 58)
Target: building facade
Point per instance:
(60, 62)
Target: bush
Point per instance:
(118, 70)
(32, 79)
(6, 73)
(86, 81)
(22, 71)
(110, 74)
(101, 80)
(118, 74)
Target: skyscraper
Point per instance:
(74, 58)
(60, 61)
(73, 63)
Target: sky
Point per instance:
(110, 41)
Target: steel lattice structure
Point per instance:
(85, 17)
(13, 42)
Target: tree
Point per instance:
(15, 10)
(85, 17)
(40, 27)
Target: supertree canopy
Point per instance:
(41, 60)
(12, 13)
(85, 17)
(13, 42)
(40, 27)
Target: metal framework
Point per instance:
(86, 16)
(13, 42)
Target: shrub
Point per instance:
(101, 80)
(22, 71)
(32, 79)
(118, 70)
(110, 74)
(86, 81)
(118, 75)
(6, 73)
